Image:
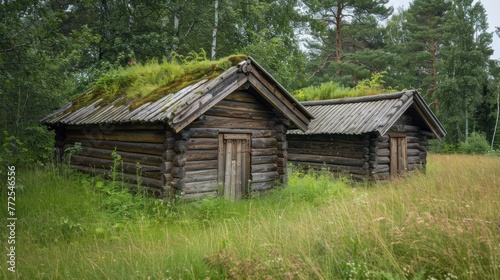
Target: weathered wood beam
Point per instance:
(199, 155)
(267, 167)
(264, 159)
(201, 176)
(152, 160)
(129, 168)
(265, 176)
(223, 122)
(141, 148)
(129, 177)
(327, 159)
(142, 136)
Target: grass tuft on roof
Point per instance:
(140, 83)
(332, 90)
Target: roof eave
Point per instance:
(279, 86)
(430, 119)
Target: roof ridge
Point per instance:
(370, 98)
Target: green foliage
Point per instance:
(348, 39)
(476, 144)
(52, 50)
(315, 187)
(465, 52)
(281, 57)
(328, 90)
(12, 150)
(332, 90)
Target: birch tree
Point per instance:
(214, 32)
(465, 56)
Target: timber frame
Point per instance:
(228, 129)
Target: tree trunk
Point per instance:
(338, 37)
(432, 90)
(496, 122)
(176, 32)
(214, 32)
(466, 122)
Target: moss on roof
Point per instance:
(142, 83)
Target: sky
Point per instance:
(491, 6)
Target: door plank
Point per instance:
(227, 173)
(239, 174)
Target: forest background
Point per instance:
(53, 50)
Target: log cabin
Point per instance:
(221, 132)
(367, 138)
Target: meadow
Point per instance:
(443, 224)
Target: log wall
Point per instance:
(239, 112)
(379, 158)
(339, 153)
(140, 146)
(364, 156)
(417, 147)
(186, 163)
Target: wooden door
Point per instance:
(234, 164)
(398, 155)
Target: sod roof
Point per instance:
(171, 93)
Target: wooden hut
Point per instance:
(221, 133)
(373, 137)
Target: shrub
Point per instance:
(475, 144)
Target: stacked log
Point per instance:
(139, 146)
(379, 157)
(201, 162)
(339, 153)
(417, 144)
(282, 146)
(166, 165)
(364, 156)
(264, 160)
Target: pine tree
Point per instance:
(425, 25)
(342, 27)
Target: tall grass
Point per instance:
(439, 225)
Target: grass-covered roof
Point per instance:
(139, 83)
(332, 90)
(174, 93)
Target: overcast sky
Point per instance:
(492, 8)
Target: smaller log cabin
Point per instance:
(221, 133)
(368, 138)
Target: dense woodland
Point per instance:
(50, 51)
